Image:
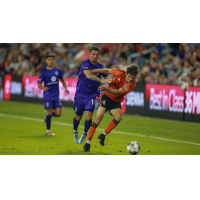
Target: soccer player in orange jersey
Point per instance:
(111, 99)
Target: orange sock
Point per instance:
(111, 126)
(92, 131)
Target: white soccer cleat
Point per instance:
(82, 138)
(75, 136)
(49, 133)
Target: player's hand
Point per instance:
(102, 88)
(66, 90)
(45, 89)
(108, 78)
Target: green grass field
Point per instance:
(22, 132)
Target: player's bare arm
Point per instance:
(42, 88)
(65, 86)
(111, 91)
(103, 71)
(94, 78)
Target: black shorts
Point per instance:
(108, 103)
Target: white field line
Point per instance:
(124, 133)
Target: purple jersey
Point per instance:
(51, 80)
(86, 87)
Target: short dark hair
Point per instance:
(132, 69)
(95, 48)
(50, 55)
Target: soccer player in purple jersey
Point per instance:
(51, 75)
(86, 92)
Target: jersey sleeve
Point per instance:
(41, 78)
(84, 66)
(60, 75)
(128, 87)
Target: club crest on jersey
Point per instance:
(53, 78)
(104, 102)
(118, 79)
(56, 72)
(125, 86)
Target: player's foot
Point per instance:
(82, 138)
(75, 136)
(102, 138)
(86, 147)
(45, 116)
(49, 133)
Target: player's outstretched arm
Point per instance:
(42, 88)
(94, 78)
(111, 91)
(64, 85)
(103, 71)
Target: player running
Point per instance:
(111, 99)
(86, 92)
(51, 75)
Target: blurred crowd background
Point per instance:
(163, 63)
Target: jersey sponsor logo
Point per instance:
(118, 79)
(104, 102)
(56, 72)
(125, 86)
(53, 78)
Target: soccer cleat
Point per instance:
(45, 117)
(49, 133)
(86, 147)
(75, 136)
(82, 138)
(102, 138)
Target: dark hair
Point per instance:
(50, 55)
(132, 69)
(95, 48)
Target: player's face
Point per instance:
(94, 56)
(50, 61)
(130, 78)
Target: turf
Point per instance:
(26, 136)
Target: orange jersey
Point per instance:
(119, 82)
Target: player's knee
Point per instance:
(118, 118)
(88, 118)
(50, 113)
(78, 117)
(58, 114)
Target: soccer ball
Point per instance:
(133, 148)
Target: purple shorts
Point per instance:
(52, 104)
(83, 104)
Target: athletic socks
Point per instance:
(53, 114)
(111, 126)
(87, 125)
(75, 124)
(48, 122)
(91, 132)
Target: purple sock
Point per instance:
(53, 114)
(87, 125)
(48, 122)
(75, 123)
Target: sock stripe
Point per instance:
(115, 121)
(94, 125)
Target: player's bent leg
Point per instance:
(88, 122)
(76, 122)
(48, 121)
(100, 113)
(117, 113)
(57, 112)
